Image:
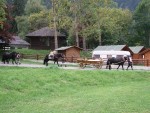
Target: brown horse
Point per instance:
(14, 56)
(117, 61)
(54, 58)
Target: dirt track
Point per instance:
(74, 66)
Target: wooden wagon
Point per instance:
(94, 62)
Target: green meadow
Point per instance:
(53, 90)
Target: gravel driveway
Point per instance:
(73, 66)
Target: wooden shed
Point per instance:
(44, 39)
(136, 51)
(146, 56)
(70, 52)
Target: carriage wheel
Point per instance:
(101, 64)
(97, 66)
(81, 65)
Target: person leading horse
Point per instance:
(54, 56)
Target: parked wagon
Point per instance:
(94, 62)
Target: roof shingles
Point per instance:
(44, 32)
(110, 47)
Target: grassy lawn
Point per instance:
(53, 90)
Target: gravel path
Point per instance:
(73, 66)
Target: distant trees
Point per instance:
(142, 23)
(87, 23)
(5, 20)
(18, 7)
(2, 13)
(35, 16)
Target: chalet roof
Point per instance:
(137, 49)
(110, 47)
(65, 48)
(145, 51)
(44, 32)
(18, 41)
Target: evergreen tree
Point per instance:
(2, 13)
(142, 22)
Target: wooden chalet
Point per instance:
(18, 42)
(44, 39)
(136, 52)
(70, 52)
(146, 56)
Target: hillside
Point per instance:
(129, 4)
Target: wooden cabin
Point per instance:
(136, 51)
(70, 52)
(44, 39)
(18, 42)
(146, 56)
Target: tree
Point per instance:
(5, 19)
(34, 18)
(34, 6)
(19, 6)
(2, 13)
(142, 22)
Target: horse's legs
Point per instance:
(131, 66)
(7, 61)
(109, 67)
(46, 63)
(118, 66)
(12, 61)
(57, 62)
(122, 67)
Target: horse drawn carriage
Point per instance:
(94, 62)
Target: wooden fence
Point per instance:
(141, 62)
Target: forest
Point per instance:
(86, 23)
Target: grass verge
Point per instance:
(53, 90)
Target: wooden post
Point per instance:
(72, 59)
(37, 57)
(147, 62)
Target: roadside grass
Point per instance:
(32, 51)
(53, 90)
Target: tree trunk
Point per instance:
(76, 32)
(84, 43)
(55, 27)
(55, 30)
(100, 37)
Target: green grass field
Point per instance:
(53, 90)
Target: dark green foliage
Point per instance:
(142, 22)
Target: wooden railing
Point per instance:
(140, 62)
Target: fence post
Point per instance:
(72, 59)
(147, 62)
(37, 57)
(22, 56)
